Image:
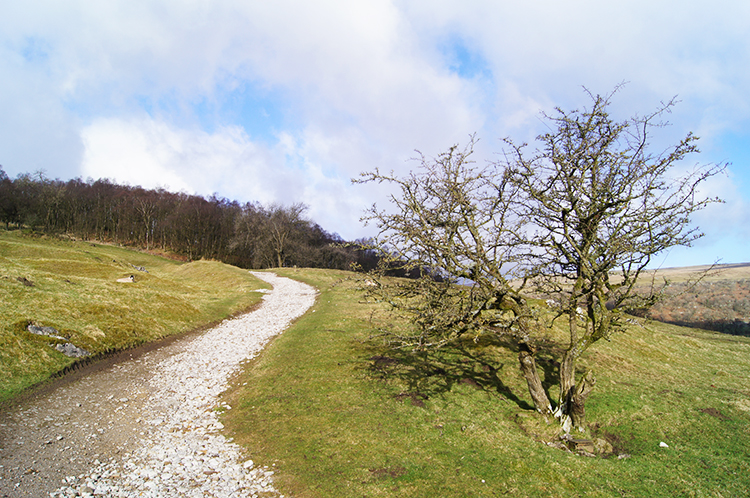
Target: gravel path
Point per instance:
(148, 427)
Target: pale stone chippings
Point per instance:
(181, 451)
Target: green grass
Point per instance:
(75, 290)
(341, 416)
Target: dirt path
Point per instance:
(123, 429)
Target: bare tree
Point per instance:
(8, 201)
(145, 203)
(284, 224)
(578, 219)
(454, 226)
(601, 205)
(270, 236)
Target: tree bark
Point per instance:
(577, 408)
(567, 380)
(571, 411)
(530, 372)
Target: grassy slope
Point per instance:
(338, 419)
(75, 291)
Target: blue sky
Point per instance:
(286, 101)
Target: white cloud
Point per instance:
(137, 153)
(153, 154)
(37, 132)
(354, 85)
(143, 151)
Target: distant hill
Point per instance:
(719, 301)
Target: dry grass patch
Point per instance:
(72, 286)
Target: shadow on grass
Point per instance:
(425, 374)
(732, 327)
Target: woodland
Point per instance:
(180, 225)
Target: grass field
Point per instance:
(72, 286)
(338, 415)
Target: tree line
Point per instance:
(248, 235)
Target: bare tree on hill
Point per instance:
(577, 219)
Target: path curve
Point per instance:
(148, 427)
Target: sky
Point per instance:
(287, 101)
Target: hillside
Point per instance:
(336, 413)
(720, 301)
(247, 235)
(339, 414)
(73, 287)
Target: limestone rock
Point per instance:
(69, 349)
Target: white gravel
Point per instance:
(182, 452)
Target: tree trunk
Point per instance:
(567, 380)
(577, 409)
(571, 410)
(530, 372)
